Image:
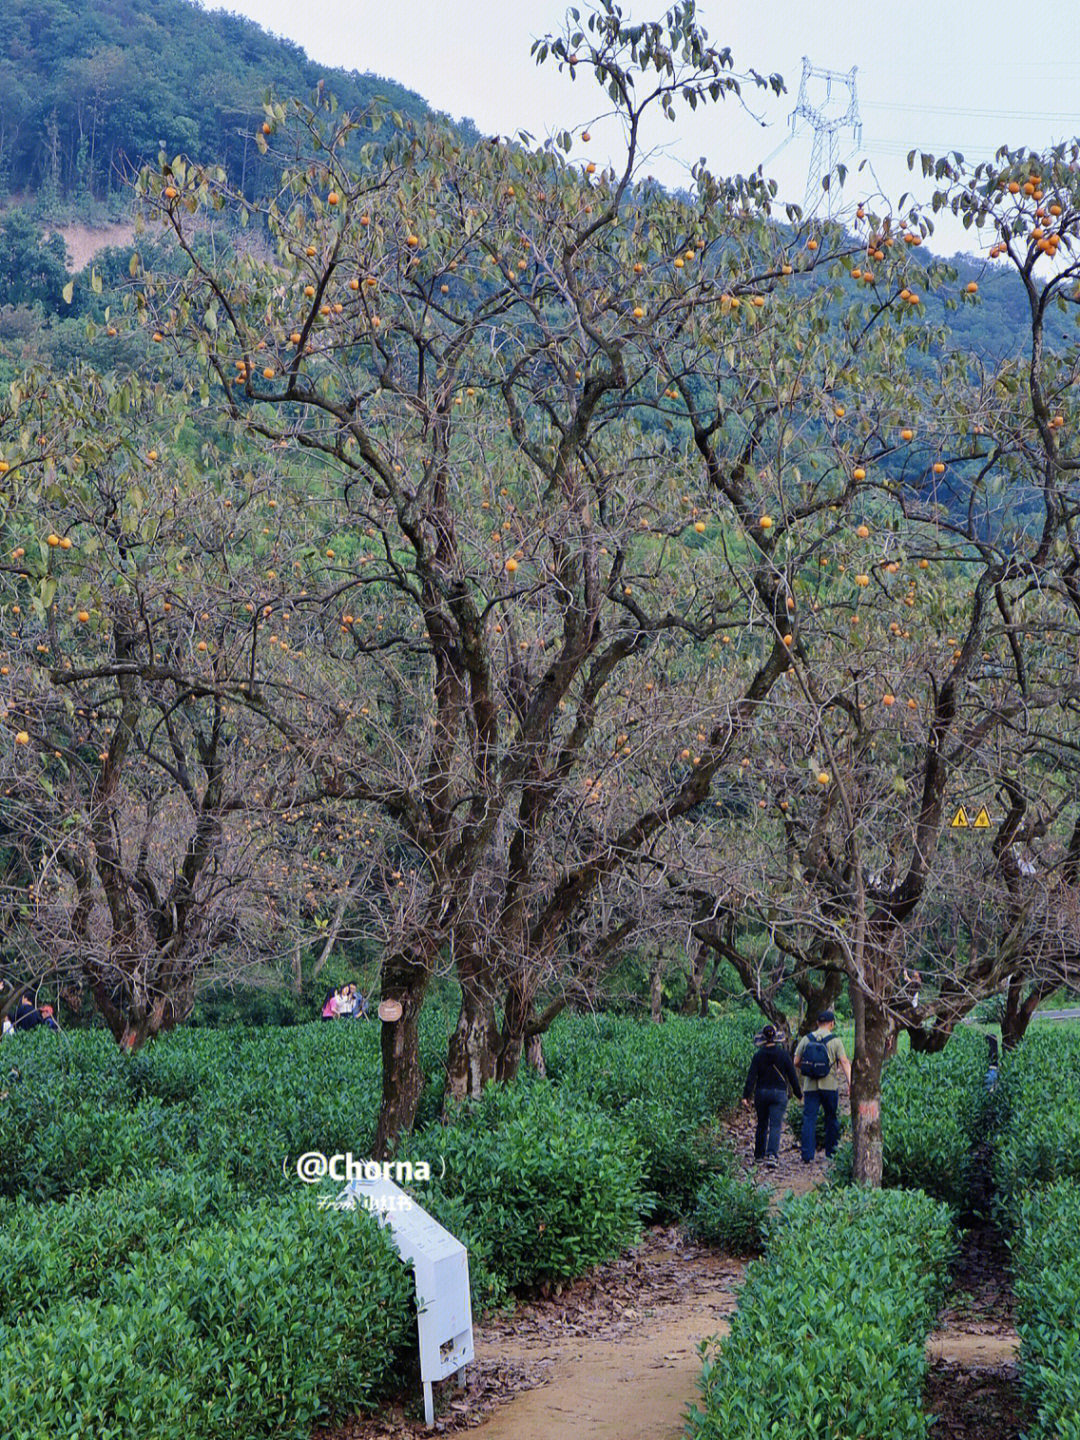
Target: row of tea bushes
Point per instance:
(934, 1111)
(1039, 1101)
(668, 1084)
(259, 1325)
(1046, 1265)
(1037, 1170)
(81, 1115)
(829, 1339)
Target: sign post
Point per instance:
(441, 1269)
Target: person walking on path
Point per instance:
(818, 1057)
(768, 1081)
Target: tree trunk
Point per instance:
(656, 990)
(872, 1027)
(470, 1061)
(515, 1030)
(930, 1041)
(534, 1054)
(695, 979)
(1020, 1010)
(816, 998)
(708, 985)
(122, 1001)
(405, 980)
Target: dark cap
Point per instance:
(768, 1035)
(825, 1016)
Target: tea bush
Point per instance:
(829, 1338)
(1046, 1263)
(668, 1083)
(731, 1213)
(1039, 1097)
(934, 1109)
(66, 1250)
(1037, 1171)
(546, 1183)
(259, 1326)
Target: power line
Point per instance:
(959, 110)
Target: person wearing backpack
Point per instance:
(771, 1074)
(818, 1057)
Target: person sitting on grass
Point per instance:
(818, 1057)
(329, 1009)
(768, 1081)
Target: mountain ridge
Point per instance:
(93, 88)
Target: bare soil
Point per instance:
(973, 1385)
(84, 241)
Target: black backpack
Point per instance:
(814, 1061)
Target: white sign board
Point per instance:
(441, 1268)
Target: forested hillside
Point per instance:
(92, 88)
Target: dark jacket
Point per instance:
(32, 1018)
(771, 1069)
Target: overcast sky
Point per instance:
(934, 74)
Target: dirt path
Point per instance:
(614, 1356)
(634, 1380)
(611, 1357)
(973, 1382)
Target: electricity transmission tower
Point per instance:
(836, 111)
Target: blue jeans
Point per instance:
(829, 1101)
(770, 1106)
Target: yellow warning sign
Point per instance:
(982, 820)
(960, 820)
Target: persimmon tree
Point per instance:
(932, 643)
(501, 359)
(142, 782)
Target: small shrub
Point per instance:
(552, 1185)
(730, 1213)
